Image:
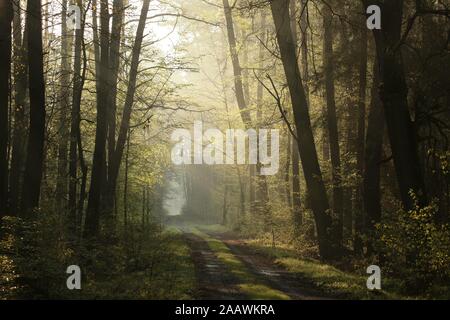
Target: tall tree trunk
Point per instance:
(237, 70)
(84, 173)
(75, 149)
(332, 123)
(287, 169)
(372, 157)
(75, 127)
(6, 16)
(306, 145)
(261, 190)
(296, 195)
(20, 125)
(114, 55)
(245, 73)
(92, 222)
(125, 188)
(251, 184)
(359, 211)
(304, 45)
(96, 43)
(296, 200)
(394, 93)
(259, 104)
(225, 206)
(241, 193)
(35, 148)
(62, 181)
(247, 96)
(114, 166)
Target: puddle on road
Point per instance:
(269, 273)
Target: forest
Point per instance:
(224, 149)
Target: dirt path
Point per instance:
(270, 273)
(216, 282)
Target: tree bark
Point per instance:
(225, 206)
(306, 145)
(287, 169)
(359, 216)
(261, 187)
(304, 45)
(125, 188)
(394, 93)
(332, 123)
(296, 196)
(117, 23)
(35, 148)
(20, 125)
(245, 73)
(237, 70)
(75, 149)
(62, 181)
(241, 194)
(114, 165)
(6, 16)
(92, 222)
(372, 157)
(259, 108)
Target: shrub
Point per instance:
(414, 248)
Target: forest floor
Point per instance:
(229, 267)
(184, 261)
(156, 267)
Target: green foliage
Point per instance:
(148, 263)
(142, 263)
(37, 256)
(415, 248)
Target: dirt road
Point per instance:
(215, 281)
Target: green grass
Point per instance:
(169, 275)
(327, 278)
(249, 284)
(157, 267)
(183, 278)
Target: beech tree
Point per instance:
(35, 147)
(6, 15)
(306, 145)
(332, 126)
(402, 137)
(18, 143)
